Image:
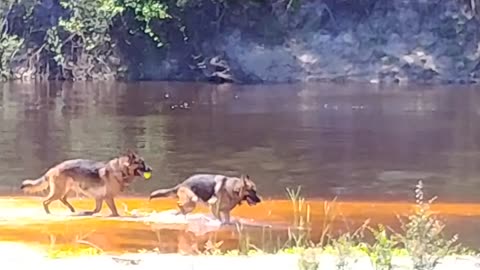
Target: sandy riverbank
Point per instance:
(18, 256)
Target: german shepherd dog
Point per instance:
(100, 180)
(221, 192)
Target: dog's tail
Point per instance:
(167, 192)
(32, 186)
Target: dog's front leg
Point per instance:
(98, 207)
(215, 211)
(220, 183)
(226, 218)
(111, 204)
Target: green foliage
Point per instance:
(55, 45)
(422, 239)
(423, 236)
(146, 11)
(9, 43)
(81, 43)
(347, 245)
(84, 42)
(382, 250)
(308, 260)
(9, 46)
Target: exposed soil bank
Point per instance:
(267, 41)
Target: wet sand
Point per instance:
(23, 257)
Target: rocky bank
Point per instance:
(391, 41)
(272, 41)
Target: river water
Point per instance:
(350, 141)
(353, 142)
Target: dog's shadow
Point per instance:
(170, 218)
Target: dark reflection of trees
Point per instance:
(34, 123)
(325, 137)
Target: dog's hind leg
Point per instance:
(49, 200)
(186, 208)
(66, 203)
(187, 200)
(55, 194)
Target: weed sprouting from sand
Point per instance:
(423, 236)
(301, 210)
(72, 252)
(245, 246)
(347, 245)
(308, 260)
(381, 251)
(80, 248)
(213, 248)
(329, 216)
(299, 235)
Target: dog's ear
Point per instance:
(244, 178)
(131, 155)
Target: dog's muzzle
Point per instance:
(252, 198)
(145, 172)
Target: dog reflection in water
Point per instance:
(184, 239)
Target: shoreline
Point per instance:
(346, 80)
(421, 244)
(383, 207)
(140, 223)
(15, 258)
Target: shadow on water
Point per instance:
(360, 143)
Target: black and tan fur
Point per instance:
(221, 192)
(99, 180)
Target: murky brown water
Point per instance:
(354, 142)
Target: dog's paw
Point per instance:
(230, 223)
(212, 200)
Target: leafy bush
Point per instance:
(423, 236)
(9, 43)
